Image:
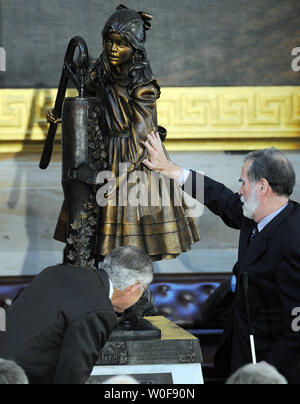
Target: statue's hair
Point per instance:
(130, 25)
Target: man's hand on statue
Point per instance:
(158, 160)
(51, 118)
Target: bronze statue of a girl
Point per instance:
(123, 83)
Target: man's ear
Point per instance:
(263, 186)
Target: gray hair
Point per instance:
(11, 373)
(126, 266)
(274, 166)
(262, 373)
(122, 379)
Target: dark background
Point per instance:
(192, 43)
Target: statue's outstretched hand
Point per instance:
(51, 118)
(158, 160)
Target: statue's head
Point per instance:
(124, 36)
(130, 25)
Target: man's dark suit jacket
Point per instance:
(58, 325)
(272, 262)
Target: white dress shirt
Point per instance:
(111, 289)
(184, 176)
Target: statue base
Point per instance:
(175, 358)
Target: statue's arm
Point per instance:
(90, 88)
(144, 121)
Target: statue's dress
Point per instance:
(163, 232)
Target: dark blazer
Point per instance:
(272, 262)
(58, 325)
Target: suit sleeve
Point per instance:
(82, 344)
(288, 281)
(217, 198)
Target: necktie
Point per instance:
(253, 234)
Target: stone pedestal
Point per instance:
(174, 359)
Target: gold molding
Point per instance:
(198, 118)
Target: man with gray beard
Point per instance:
(269, 253)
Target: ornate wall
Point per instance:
(204, 118)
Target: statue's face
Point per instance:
(118, 52)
